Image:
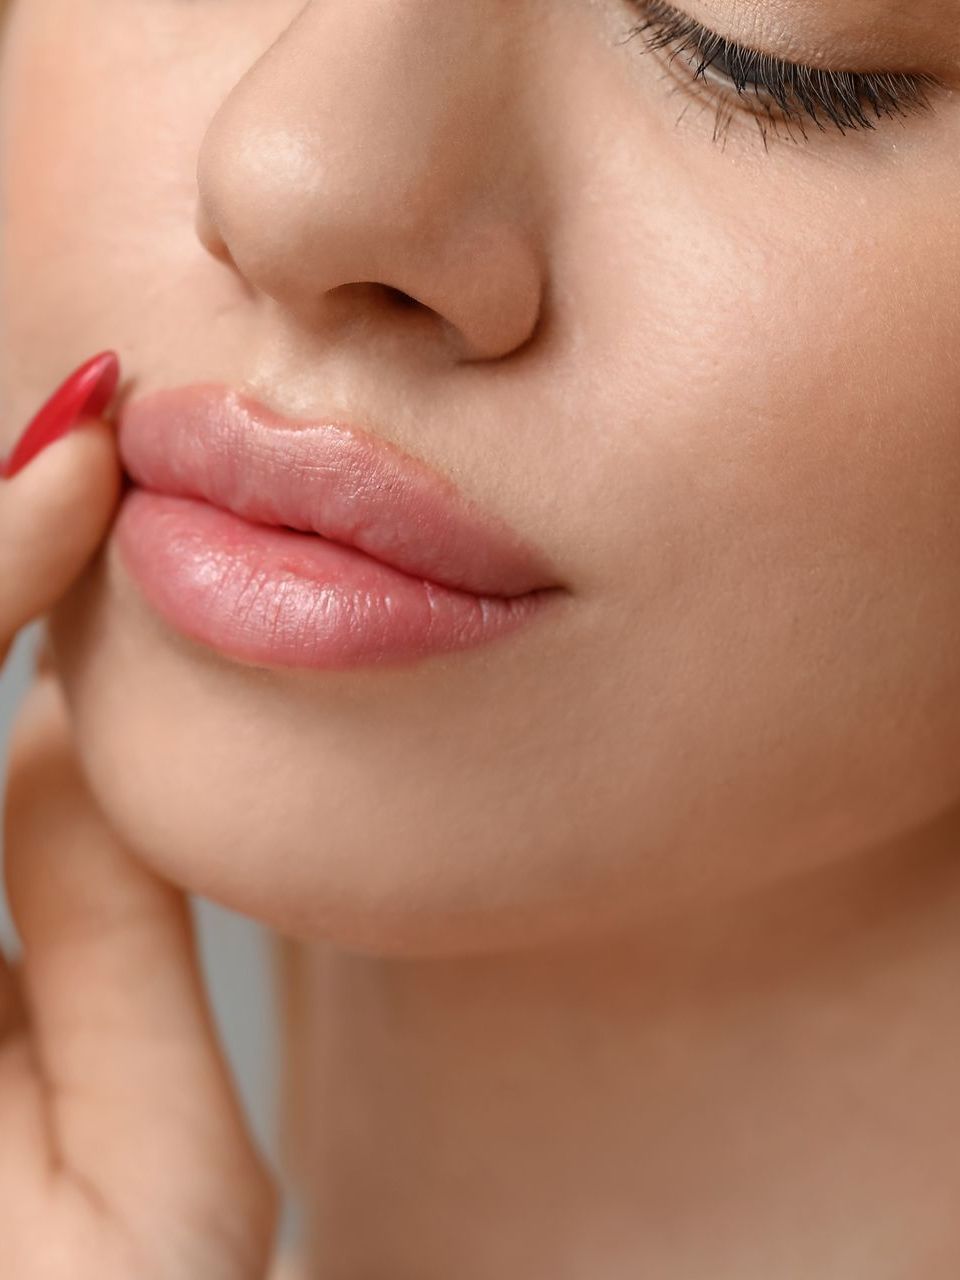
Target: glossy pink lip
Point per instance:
(222, 446)
(221, 534)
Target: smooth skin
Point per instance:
(629, 946)
(123, 1148)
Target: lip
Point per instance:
(309, 541)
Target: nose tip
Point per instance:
(319, 171)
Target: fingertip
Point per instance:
(86, 393)
(81, 467)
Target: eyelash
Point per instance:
(782, 92)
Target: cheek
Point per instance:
(72, 139)
(781, 597)
(98, 146)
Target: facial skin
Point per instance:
(717, 385)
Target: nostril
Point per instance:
(402, 299)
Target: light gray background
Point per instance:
(235, 959)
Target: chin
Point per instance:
(328, 814)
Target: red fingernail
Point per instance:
(85, 394)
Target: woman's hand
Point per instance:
(124, 1153)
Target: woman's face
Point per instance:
(714, 380)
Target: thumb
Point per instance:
(141, 1105)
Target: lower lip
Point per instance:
(276, 597)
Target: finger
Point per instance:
(55, 510)
(55, 503)
(124, 1035)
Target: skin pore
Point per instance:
(630, 943)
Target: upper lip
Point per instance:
(326, 477)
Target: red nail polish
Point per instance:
(85, 394)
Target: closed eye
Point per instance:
(773, 89)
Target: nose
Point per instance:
(376, 148)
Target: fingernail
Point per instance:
(85, 394)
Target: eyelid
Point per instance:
(808, 50)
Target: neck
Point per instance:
(766, 1090)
